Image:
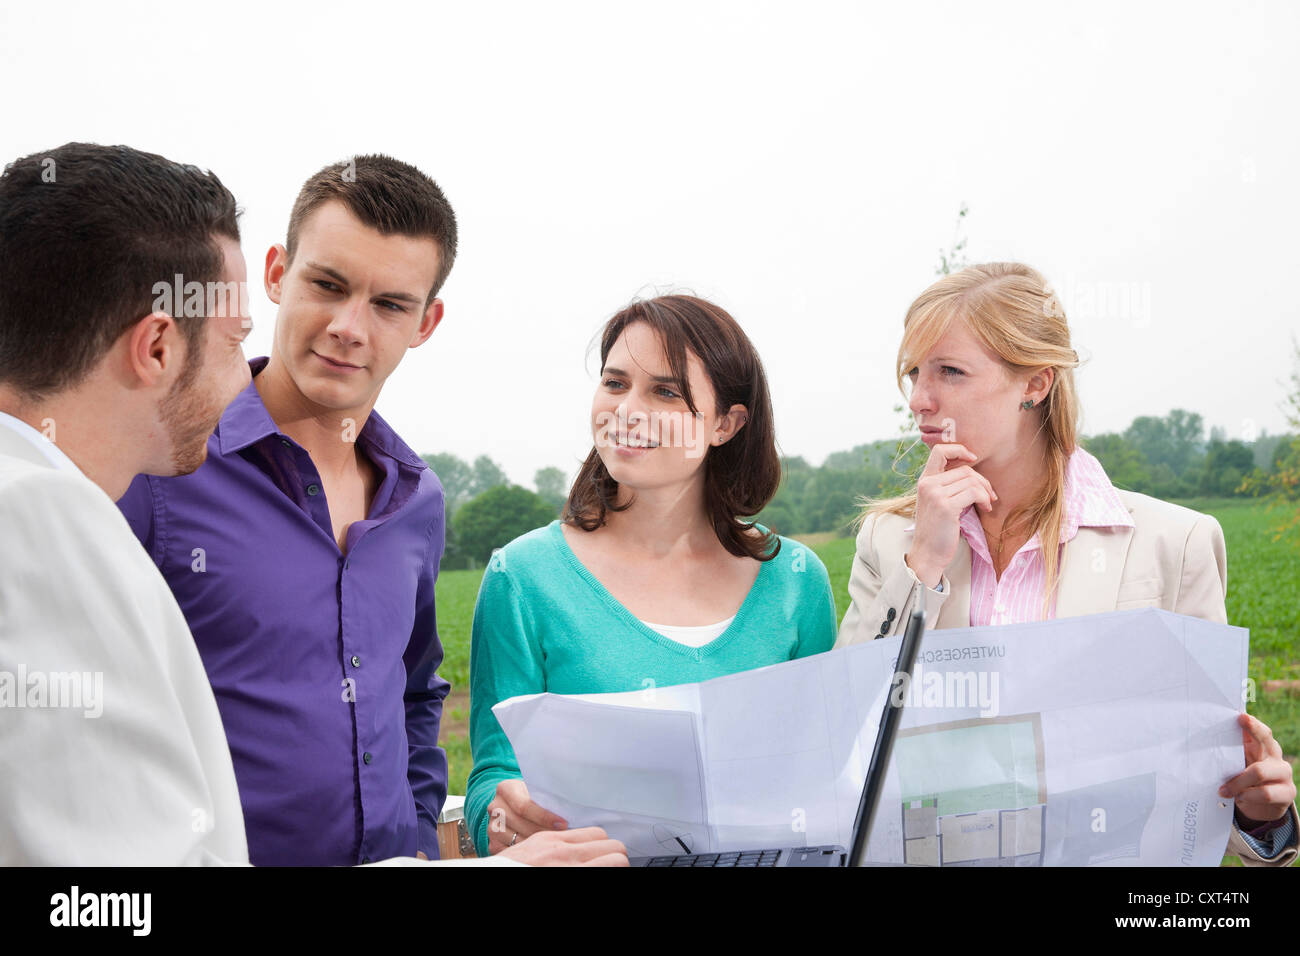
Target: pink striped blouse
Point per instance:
(1017, 597)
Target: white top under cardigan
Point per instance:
(691, 635)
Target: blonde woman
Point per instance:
(1011, 521)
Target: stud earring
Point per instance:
(1027, 404)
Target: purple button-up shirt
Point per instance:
(323, 664)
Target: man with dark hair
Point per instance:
(304, 553)
(111, 746)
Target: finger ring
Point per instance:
(513, 839)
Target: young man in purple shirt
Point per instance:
(304, 552)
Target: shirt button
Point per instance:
(356, 661)
(365, 860)
(313, 490)
(366, 757)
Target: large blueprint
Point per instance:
(1082, 741)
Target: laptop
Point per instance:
(824, 856)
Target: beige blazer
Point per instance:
(1173, 558)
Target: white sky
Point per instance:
(799, 165)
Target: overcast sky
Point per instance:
(801, 165)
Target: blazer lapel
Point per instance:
(1091, 571)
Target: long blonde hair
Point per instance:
(1009, 307)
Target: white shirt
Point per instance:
(126, 763)
(50, 451)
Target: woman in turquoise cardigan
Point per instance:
(651, 578)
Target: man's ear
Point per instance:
(730, 423)
(429, 322)
(277, 261)
(155, 351)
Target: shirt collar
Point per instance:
(1090, 502)
(1090, 498)
(49, 451)
(246, 422)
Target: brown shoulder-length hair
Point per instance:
(741, 475)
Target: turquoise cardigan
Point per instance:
(544, 623)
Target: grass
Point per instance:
(1263, 595)
(456, 593)
(837, 555)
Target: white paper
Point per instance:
(1099, 740)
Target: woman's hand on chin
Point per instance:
(942, 494)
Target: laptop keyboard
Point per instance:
(748, 858)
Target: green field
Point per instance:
(1263, 595)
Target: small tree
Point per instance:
(1225, 464)
(485, 474)
(497, 517)
(1282, 486)
(910, 457)
(455, 477)
(953, 259)
(552, 486)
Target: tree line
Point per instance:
(1168, 457)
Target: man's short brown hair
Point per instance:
(86, 231)
(385, 194)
